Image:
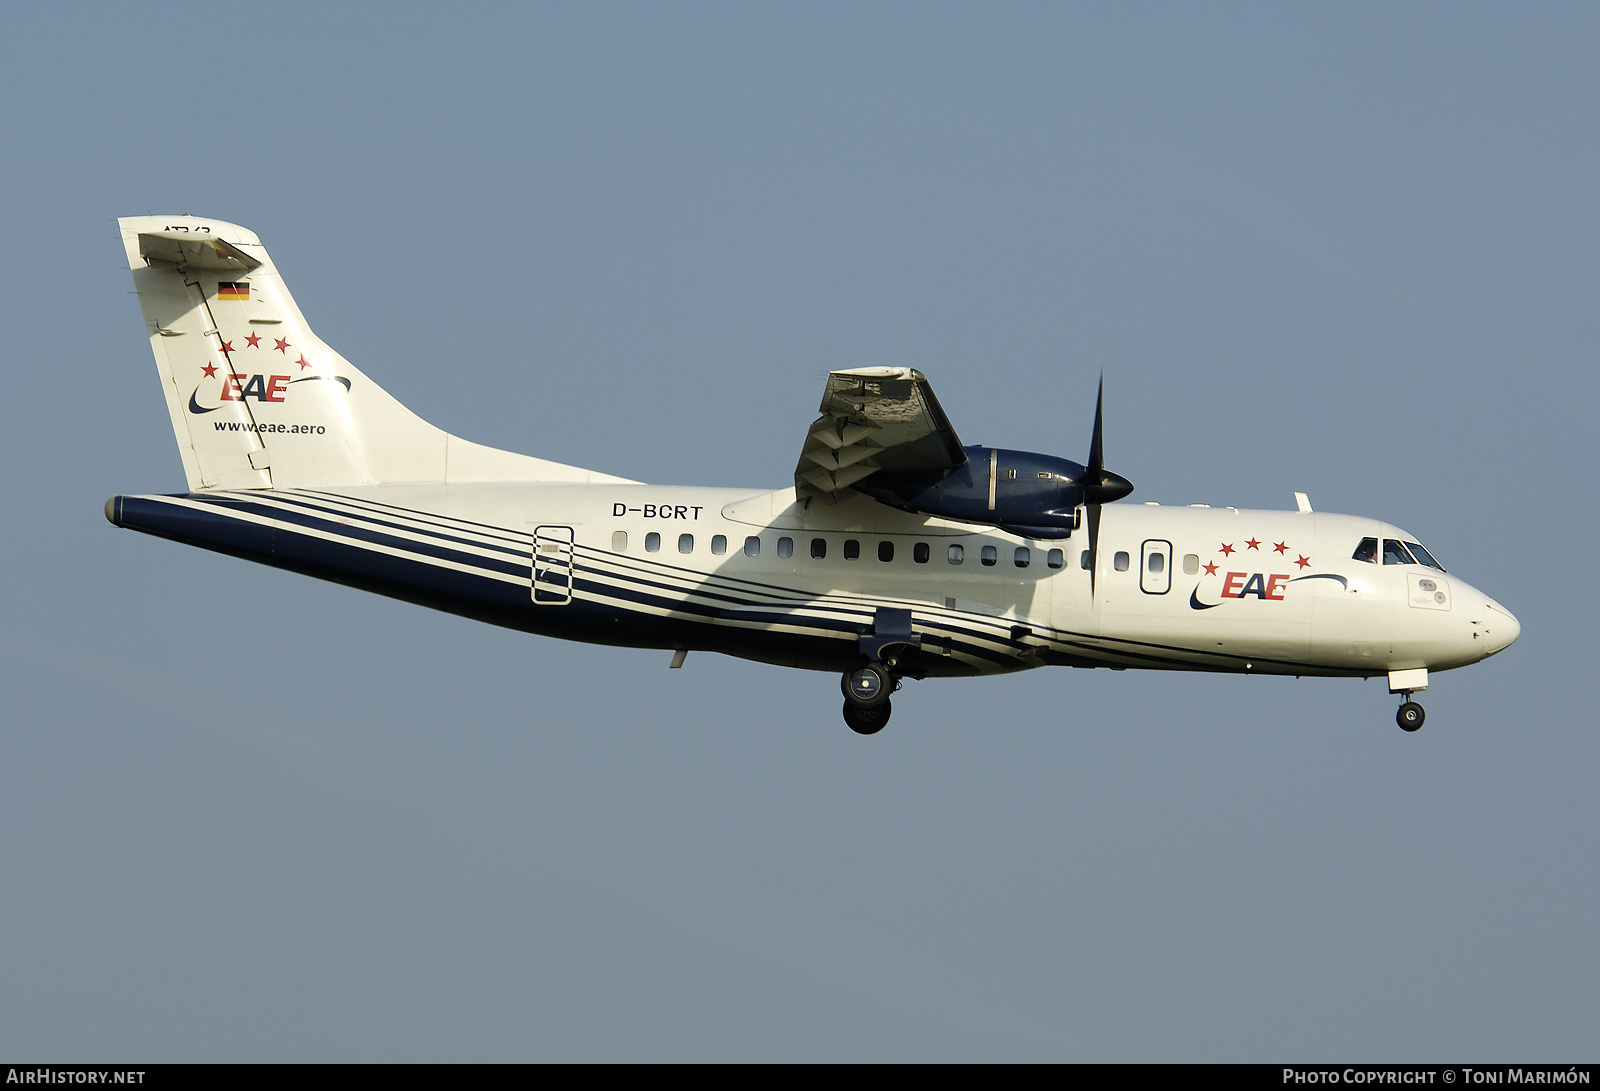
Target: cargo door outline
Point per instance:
(1155, 581)
(552, 566)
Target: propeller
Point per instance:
(1100, 486)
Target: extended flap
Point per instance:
(876, 418)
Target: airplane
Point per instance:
(897, 553)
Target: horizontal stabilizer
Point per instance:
(195, 251)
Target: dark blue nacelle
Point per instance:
(1036, 496)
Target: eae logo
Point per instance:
(1235, 586)
(263, 388)
(1257, 585)
(244, 387)
(259, 388)
(1261, 586)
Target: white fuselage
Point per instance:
(1174, 587)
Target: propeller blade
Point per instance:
(1100, 486)
(1097, 462)
(1094, 546)
(1091, 484)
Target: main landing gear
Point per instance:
(866, 697)
(1410, 716)
(867, 721)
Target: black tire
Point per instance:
(1410, 716)
(867, 686)
(867, 721)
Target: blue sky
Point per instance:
(1348, 250)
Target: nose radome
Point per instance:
(1503, 626)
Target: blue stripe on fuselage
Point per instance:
(343, 554)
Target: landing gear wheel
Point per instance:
(868, 686)
(867, 721)
(1410, 716)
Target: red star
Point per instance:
(1280, 547)
(1227, 548)
(282, 345)
(210, 370)
(1304, 561)
(254, 340)
(1211, 570)
(303, 362)
(227, 347)
(1253, 544)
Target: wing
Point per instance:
(874, 418)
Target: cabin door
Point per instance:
(1155, 567)
(552, 566)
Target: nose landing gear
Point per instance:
(1405, 682)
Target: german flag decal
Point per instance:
(236, 290)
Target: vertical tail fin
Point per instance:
(257, 401)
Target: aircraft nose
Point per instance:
(1501, 627)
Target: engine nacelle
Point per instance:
(1033, 495)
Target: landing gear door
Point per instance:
(1155, 567)
(552, 566)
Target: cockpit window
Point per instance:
(1395, 552)
(1367, 551)
(1423, 556)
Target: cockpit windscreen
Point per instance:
(1423, 556)
(1394, 551)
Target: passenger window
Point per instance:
(652, 542)
(1083, 561)
(1055, 559)
(1366, 551)
(919, 553)
(885, 552)
(619, 541)
(957, 554)
(1157, 563)
(1022, 557)
(1395, 553)
(1120, 562)
(752, 546)
(719, 544)
(989, 555)
(819, 548)
(852, 550)
(686, 543)
(1191, 563)
(786, 547)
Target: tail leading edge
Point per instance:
(257, 401)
